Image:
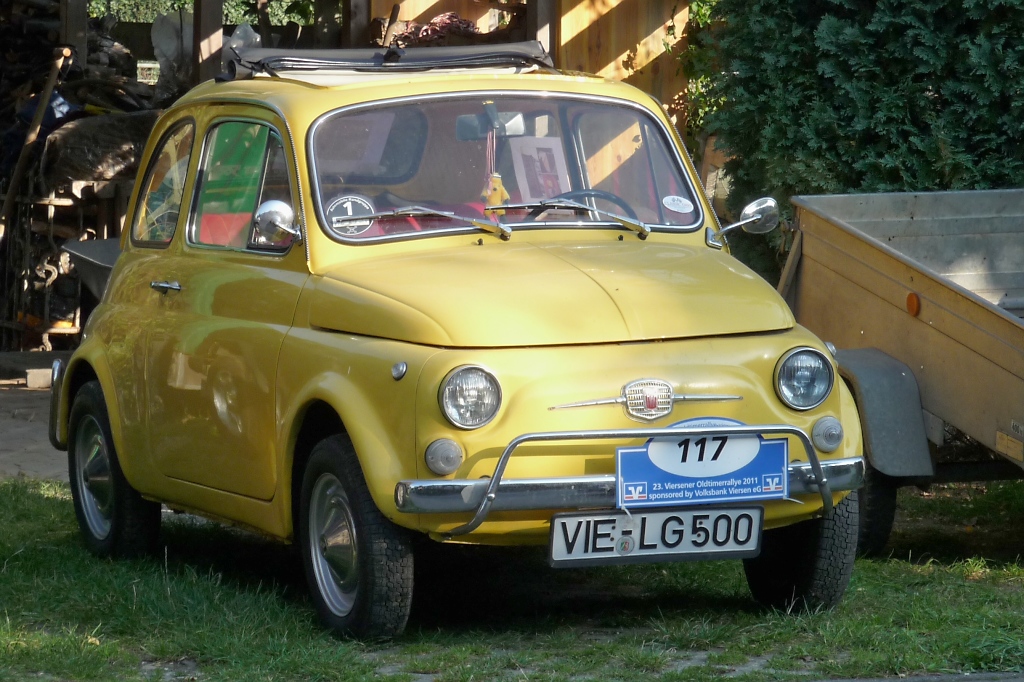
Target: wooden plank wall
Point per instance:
(620, 39)
(624, 40)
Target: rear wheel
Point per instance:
(359, 566)
(806, 565)
(113, 517)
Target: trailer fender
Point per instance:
(889, 404)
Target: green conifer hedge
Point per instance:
(829, 96)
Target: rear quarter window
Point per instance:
(163, 189)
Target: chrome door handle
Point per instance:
(164, 287)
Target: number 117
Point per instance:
(701, 446)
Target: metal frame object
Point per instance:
(268, 60)
(452, 496)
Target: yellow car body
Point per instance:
(222, 366)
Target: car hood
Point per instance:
(528, 294)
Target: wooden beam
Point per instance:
(542, 20)
(207, 39)
(355, 22)
(74, 27)
(263, 16)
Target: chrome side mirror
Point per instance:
(273, 226)
(758, 217)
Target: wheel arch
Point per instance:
(80, 371)
(332, 405)
(318, 420)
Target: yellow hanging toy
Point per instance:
(494, 193)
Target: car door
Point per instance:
(132, 311)
(229, 304)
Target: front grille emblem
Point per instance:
(647, 399)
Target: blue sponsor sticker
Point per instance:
(702, 469)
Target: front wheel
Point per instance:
(114, 519)
(806, 565)
(358, 565)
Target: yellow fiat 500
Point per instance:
(364, 296)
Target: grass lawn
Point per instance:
(223, 605)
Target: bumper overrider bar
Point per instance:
(484, 495)
(56, 385)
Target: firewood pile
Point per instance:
(450, 29)
(74, 180)
(104, 83)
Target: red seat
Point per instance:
(224, 229)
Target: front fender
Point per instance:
(382, 452)
(354, 377)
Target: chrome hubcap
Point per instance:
(332, 542)
(93, 477)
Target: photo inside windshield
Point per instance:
(478, 161)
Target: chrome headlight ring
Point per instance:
(469, 397)
(803, 378)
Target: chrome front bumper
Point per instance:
(481, 496)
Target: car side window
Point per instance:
(164, 187)
(244, 166)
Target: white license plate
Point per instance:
(591, 539)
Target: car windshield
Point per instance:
(459, 160)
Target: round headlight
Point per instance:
(803, 378)
(470, 397)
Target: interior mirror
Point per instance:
(273, 226)
(476, 126)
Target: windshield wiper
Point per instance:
(423, 212)
(637, 226)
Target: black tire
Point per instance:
(806, 566)
(114, 519)
(877, 511)
(358, 565)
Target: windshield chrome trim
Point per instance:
(311, 163)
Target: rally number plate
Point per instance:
(594, 539)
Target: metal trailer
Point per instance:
(922, 295)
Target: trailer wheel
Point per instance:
(358, 565)
(806, 566)
(877, 511)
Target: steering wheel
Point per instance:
(161, 226)
(579, 194)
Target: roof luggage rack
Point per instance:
(248, 62)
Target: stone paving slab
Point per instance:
(24, 444)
